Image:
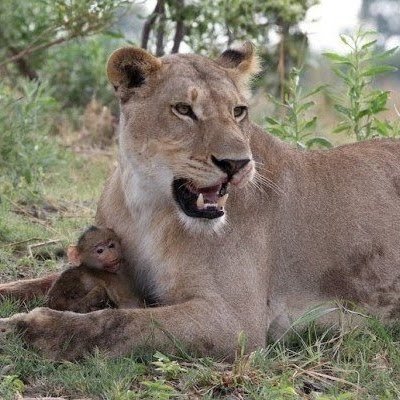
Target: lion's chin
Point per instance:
(202, 226)
(203, 203)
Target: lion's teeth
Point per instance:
(222, 200)
(200, 201)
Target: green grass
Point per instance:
(65, 206)
(358, 364)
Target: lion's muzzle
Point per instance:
(209, 202)
(230, 167)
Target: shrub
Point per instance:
(76, 71)
(27, 151)
(295, 126)
(359, 103)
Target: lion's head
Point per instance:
(184, 133)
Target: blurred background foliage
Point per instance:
(54, 90)
(53, 39)
(67, 41)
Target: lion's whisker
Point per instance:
(260, 179)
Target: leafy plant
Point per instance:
(158, 390)
(28, 31)
(360, 104)
(26, 150)
(171, 369)
(11, 386)
(76, 83)
(296, 126)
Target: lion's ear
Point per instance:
(130, 68)
(242, 63)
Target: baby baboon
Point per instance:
(95, 280)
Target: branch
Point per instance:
(230, 36)
(148, 25)
(32, 49)
(23, 66)
(180, 29)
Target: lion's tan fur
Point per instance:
(309, 227)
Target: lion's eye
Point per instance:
(240, 112)
(184, 109)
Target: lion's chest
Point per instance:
(154, 263)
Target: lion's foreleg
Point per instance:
(196, 325)
(28, 289)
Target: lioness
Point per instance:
(299, 227)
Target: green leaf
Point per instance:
(384, 55)
(344, 76)
(344, 126)
(336, 58)
(369, 44)
(314, 91)
(277, 131)
(320, 142)
(371, 95)
(378, 104)
(314, 314)
(363, 113)
(114, 35)
(271, 121)
(310, 124)
(344, 40)
(305, 106)
(383, 127)
(378, 69)
(343, 110)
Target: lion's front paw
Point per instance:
(6, 327)
(67, 335)
(42, 328)
(10, 325)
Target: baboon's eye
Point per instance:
(239, 112)
(185, 110)
(111, 245)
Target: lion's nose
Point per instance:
(231, 167)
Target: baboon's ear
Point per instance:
(242, 63)
(130, 68)
(73, 255)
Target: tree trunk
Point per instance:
(282, 63)
(161, 30)
(149, 24)
(180, 29)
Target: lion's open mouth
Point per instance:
(207, 202)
